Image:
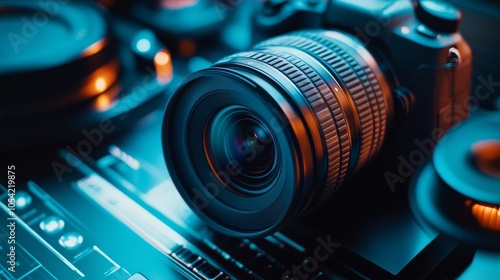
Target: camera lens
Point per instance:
(263, 136)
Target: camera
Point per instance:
(269, 134)
(264, 138)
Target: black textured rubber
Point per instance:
(326, 108)
(358, 79)
(369, 82)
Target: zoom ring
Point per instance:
(325, 107)
(360, 83)
(370, 84)
(351, 74)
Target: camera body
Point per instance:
(417, 43)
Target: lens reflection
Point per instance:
(238, 140)
(251, 147)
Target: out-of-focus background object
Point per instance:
(65, 68)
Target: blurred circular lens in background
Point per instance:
(66, 69)
(457, 192)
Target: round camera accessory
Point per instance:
(456, 192)
(68, 69)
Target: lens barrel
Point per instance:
(265, 135)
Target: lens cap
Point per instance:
(65, 69)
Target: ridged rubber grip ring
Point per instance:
(323, 103)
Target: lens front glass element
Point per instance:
(238, 141)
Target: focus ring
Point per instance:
(342, 70)
(355, 79)
(371, 85)
(325, 107)
(341, 144)
(349, 72)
